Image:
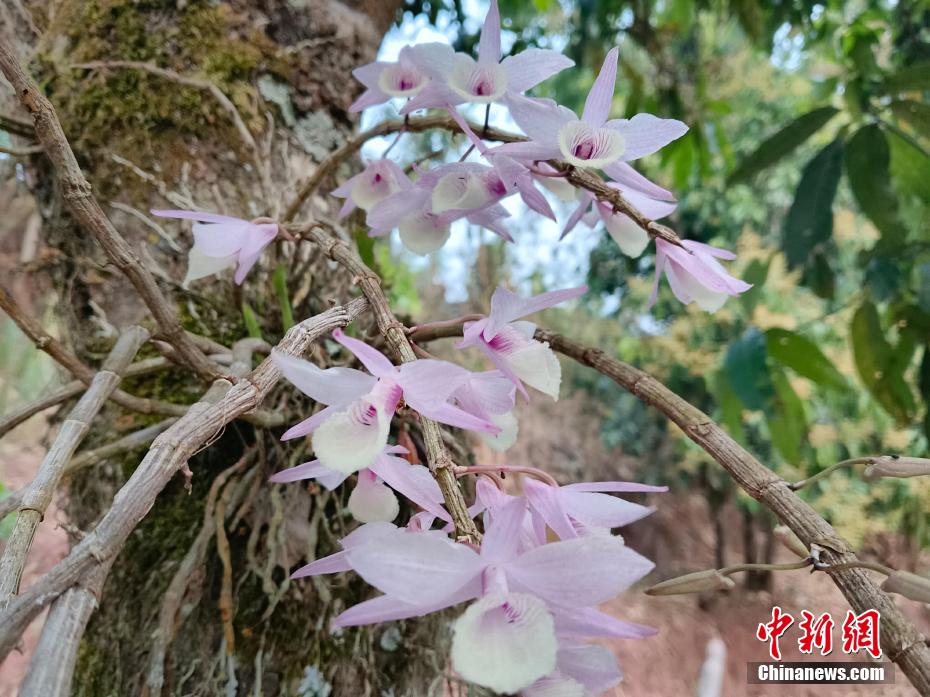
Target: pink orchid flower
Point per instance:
(490, 396)
(371, 499)
(403, 79)
(506, 640)
(629, 236)
(424, 213)
(379, 179)
(695, 275)
(350, 433)
(584, 508)
(555, 132)
(510, 344)
(221, 242)
(459, 78)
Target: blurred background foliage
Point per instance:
(809, 154)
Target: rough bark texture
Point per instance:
(247, 97)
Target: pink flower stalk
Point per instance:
(459, 78)
(510, 344)
(350, 433)
(491, 396)
(555, 132)
(371, 499)
(403, 79)
(509, 638)
(424, 213)
(695, 275)
(379, 179)
(629, 236)
(221, 242)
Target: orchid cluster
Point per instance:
(533, 602)
(423, 208)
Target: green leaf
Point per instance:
(787, 423)
(819, 275)
(783, 143)
(867, 166)
(910, 166)
(366, 246)
(251, 321)
(913, 113)
(279, 281)
(756, 273)
(747, 372)
(731, 408)
(804, 357)
(914, 77)
(880, 367)
(809, 222)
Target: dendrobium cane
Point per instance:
(555, 132)
(695, 275)
(509, 343)
(459, 78)
(352, 430)
(221, 242)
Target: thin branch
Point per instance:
(39, 493)
(439, 460)
(25, 151)
(170, 452)
(901, 641)
(14, 125)
(77, 195)
(85, 373)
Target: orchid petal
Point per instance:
(433, 58)
(590, 622)
(600, 98)
(399, 565)
(629, 236)
(615, 487)
(546, 502)
(629, 178)
(584, 571)
(602, 510)
(533, 65)
(337, 386)
(507, 306)
(333, 564)
(200, 265)
(199, 216)
(221, 239)
(310, 470)
(645, 134)
(502, 536)
(489, 45)
(413, 481)
(384, 608)
(309, 425)
(507, 437)
(423, 232)
(376, 362)
(595, 667)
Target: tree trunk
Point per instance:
(199, 601)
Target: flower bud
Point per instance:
(909, 585)
(897, 466)
(791, 541)
(697, 582)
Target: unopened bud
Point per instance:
(896, 466)
(698, 582)
(909, 585)
(791, 541)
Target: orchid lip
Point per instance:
(401, 80)
(482, 84)
(584, 145)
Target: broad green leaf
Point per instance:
(783, 143)
(879, 367)
(914, 77)
(910, 167)
(365, 245)
(747, 371)
(923, 286)
(819, 275)
(809, 222)
(279, 281)
(917, 115)
(786, 421)
(804, 357)
(731, 408)
(756, 273)
(867, 166)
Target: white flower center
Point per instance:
(374, 185)
(461, 191)
(585, 146)
(481, 84)
(401, 80)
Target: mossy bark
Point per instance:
(147, 141)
